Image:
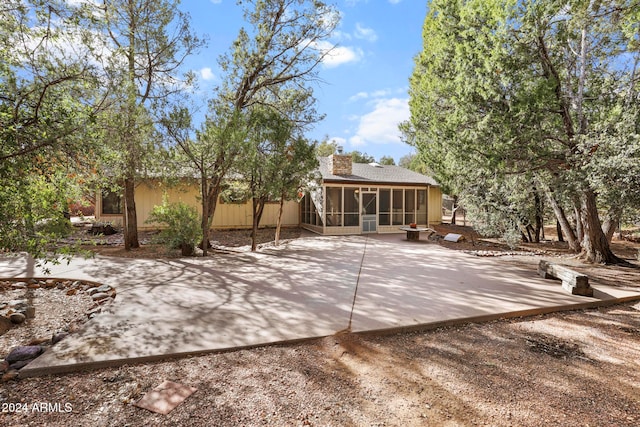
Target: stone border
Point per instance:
(16, 312)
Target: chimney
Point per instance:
(340, 164)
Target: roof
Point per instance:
(375, 173)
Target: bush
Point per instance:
(183, 226)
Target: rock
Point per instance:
(99, 296)
(3, 305)
(5, 324)
(58, 337)
(60, 286)
(33, 286)
(4, 366)
(38, 341)
(72, 291)
(10, 375)
(19, 285)
(29, 311)
(25, 352)
(91, 291)
(105, 301)
(20, 364)
(17, 318)
(76, 284)
(104, 288)
(17, 304)
(50, 283)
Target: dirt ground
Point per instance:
(578, 368)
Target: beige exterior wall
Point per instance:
(434, 207)
(228, 215)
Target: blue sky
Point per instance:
(364, 93)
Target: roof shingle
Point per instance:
(375, 174)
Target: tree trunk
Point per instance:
(204, 221)
(208, 211)
(130, 217)
(579, 227)
(454, 209)
(559, 231)
(279, 222)
(574, 243)
(611, 223)
(258, 208)
(595, 246)
(539, 216)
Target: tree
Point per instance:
(48, 103)
(358, 157)
(530, 89)
(148, 42)
(210, 154)
(326, 148)
(387, 160)
(268, 73)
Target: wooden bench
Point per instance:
(572, 281)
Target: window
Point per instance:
(397, 207)
(422, 207)
(334, 206)
(409, 206)
(351, 207)
(306, 209)
(384, 217)
(111, 203)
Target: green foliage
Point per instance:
(235, 191)
(512, 95)
(358, 157)
(387, 160)
(326, 148)
(47, 108)
(182, 225)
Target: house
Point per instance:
(149, 193)
(349, 198)
(355, 198)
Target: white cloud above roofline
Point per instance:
(380, 126)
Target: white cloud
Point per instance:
(380, 126)
(359, 95)
(338, 55)
(376, 94)
(207, 74)
(365, 33)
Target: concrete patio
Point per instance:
(303, 289)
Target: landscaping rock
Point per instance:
(18, 304)
(26, 352)
(17, 318)
(5, 324)
(99, 296)
(104, 288)
(91, 291)
(19, 285)
(29, 312)
(72, 291)
(10, 375)
(4, 366)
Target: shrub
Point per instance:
(182, 226)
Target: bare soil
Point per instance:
(578, 368)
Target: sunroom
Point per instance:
(356, 198)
